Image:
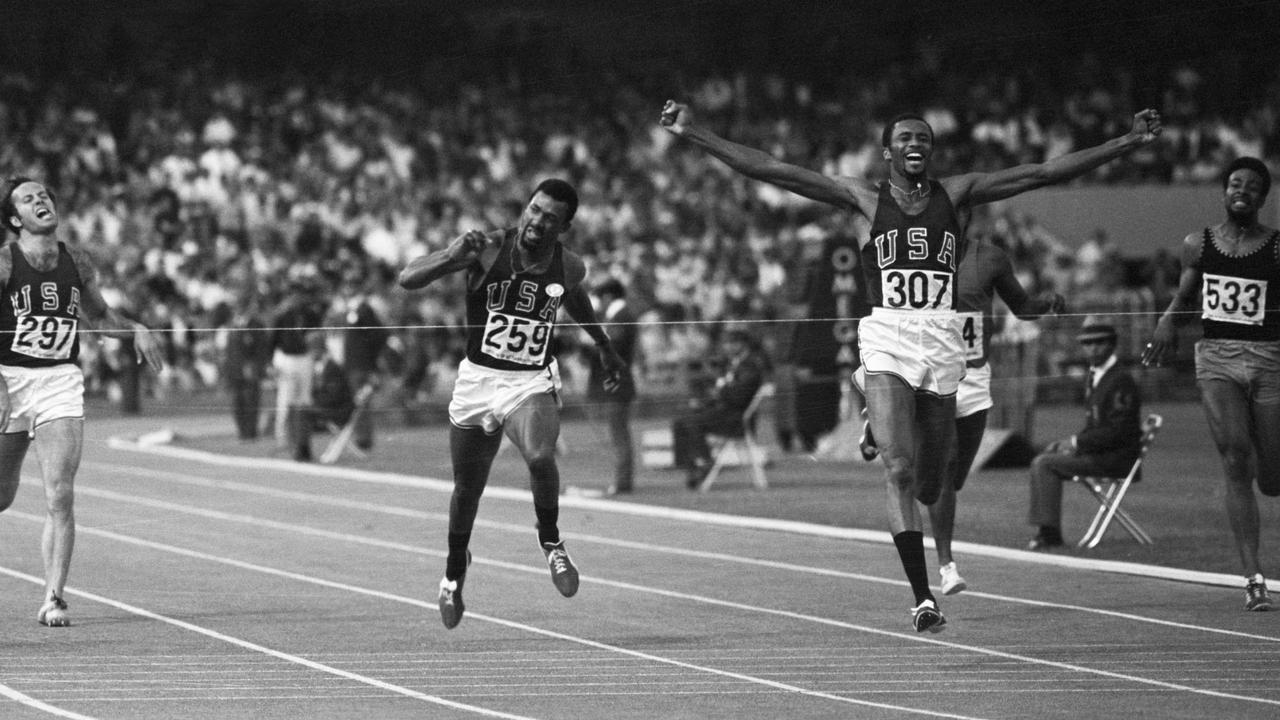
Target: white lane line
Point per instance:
(331, 501)
(369, 592)
(692, 516)
(24, 699)
(278, 654)
(621, 585)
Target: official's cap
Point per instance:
(1096, 331)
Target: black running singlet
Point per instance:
(1240, 296)
(910, 263)
(511, 315)
(40, 313)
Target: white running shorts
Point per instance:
(40, 395)
(484, 397)
(925, 350)
(974, 394)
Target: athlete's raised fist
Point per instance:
(1146, 124)
(469, 245)
(675, 117)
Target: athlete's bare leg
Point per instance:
(472, 452)
(534, 427)
(58, 447)
(935, 443)
(1227, 410)
(13, 449)
(1266, 428)
(942, 514)
(891, 410)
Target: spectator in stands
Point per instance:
(1107, 445)
(745, 369)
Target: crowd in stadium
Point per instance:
(199, 188)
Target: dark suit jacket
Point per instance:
(365, 341)
(1113, 426)
(622, 331)
(331, 396)
(737, 385)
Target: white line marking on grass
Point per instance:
(693, 516)
(313, 580)
(622, 585)
(280, 655)
(331, 501)
(24, 699)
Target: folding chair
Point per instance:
(342, 441)
(744, 445)
(1110, 491)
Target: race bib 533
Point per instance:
(1233, 299)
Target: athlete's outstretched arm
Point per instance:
(677, 119)
(979, 188)
(578, 305)
(108, 320)
(458, 255)
(1021, 303)
(1165, 337)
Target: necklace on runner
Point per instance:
(921, 190)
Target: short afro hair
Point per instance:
(1249, 163)
(561, 191)
(887, 133)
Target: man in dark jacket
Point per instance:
(613, 404)
(721, 412)
(365, 340)
(1107, 446)
(248, 353)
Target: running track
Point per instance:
(214, 587)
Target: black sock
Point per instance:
(548, 532)
(911, 550)
(1052, 533)
(456, 566)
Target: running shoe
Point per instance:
(1256, 598)
(952, 583)
(53, 613)
(450, 602)
(563, 572)
(927, 616)
(450, 599)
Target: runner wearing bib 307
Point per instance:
(911, 228)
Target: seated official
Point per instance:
(720, 411)
(1107, 445)
(332, 400)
